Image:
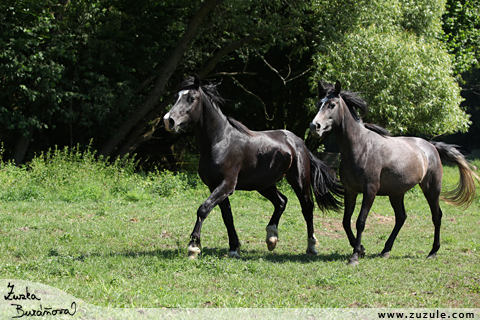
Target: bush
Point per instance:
(74, 175)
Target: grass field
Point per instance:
(113, 237)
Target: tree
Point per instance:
(461, 24)
(107, 70)
(109, 66)
(61, 74)
(163, 77)
(29, 72)
(234, 25)
(391, 53)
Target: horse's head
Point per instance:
(330, 111)
(187, 108)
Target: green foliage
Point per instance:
(76, 70)
(406, 81)
(72, 175)
(30, 72)
(461, 23)
(390, 52)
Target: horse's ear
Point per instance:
(196, 82)
(338, 87)
(321, 89)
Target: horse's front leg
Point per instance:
(234, 251)
(350, 200)
(358, 250)
(218, 195)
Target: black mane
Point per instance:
(210, 90)
(376, 128)
(240, 127)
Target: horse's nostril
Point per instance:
(314, 126)
(171, 123)
(318, 126)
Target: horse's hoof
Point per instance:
(385, 255)
(311, 251)
(193, 252)
(234, 254)
(432, 256)
(353, 262)
(361, 254)
(271, 243)
(272, 237)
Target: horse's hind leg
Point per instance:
(279, 201)
(307, 210)
(431, 187)
(303, 193)
(432, 197)
(437, 222)
(400, 217)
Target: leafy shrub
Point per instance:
(72, 175)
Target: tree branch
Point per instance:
(286, 79)
(253, 94)
(137, 134)
(162, 80)
(212, 62)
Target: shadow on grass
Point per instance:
(247, 255)
(256, 255)
(250, 255)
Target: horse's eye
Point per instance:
(190, 99)
(332, 105)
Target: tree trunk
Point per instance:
(21, 148)
(162, 80)
(137, 135)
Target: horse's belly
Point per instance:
(399, 182)
(259, 179)
(386, 182)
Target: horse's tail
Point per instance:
(325, 185)
(464, 192)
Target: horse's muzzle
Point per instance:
(314, 129)
(168, 122)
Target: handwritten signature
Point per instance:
(39, 312)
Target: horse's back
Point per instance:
(393, 164)
(266, 157)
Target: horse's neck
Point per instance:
(211, 128)
(349, 135)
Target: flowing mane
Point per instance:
(353, 102)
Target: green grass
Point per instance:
(116, 238)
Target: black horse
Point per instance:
(374, 163)
(232, 157)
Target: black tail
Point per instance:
(325, 185)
